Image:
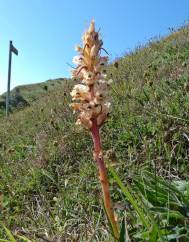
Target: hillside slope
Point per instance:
(48, 179)
(22, 96)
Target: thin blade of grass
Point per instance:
(129, 196)
(8, 233)
(23, 238)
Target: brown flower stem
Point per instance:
(103, 177)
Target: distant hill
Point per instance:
(48, 183)
(22, 96)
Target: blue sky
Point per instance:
(46, 31)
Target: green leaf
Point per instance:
(131, 199)
(164, 211)
(153, 234)
(122, 237)
(8, 233)
(47, 174)
(23, 238)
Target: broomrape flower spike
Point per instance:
(92, 105)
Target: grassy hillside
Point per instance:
(49, 189)
(24, 95)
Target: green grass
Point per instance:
(22, 96)
(49, 187)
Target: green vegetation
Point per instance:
(48, 185)
(22, 96)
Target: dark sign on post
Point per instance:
(13, 49)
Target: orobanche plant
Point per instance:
(92, 105)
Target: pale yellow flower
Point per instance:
(92, 102)
(88, 78)
(78, 60)
(80, 92)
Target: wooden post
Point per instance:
(15, 51)
(9, 78)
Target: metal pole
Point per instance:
(9, 78)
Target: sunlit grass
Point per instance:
(48, 184)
